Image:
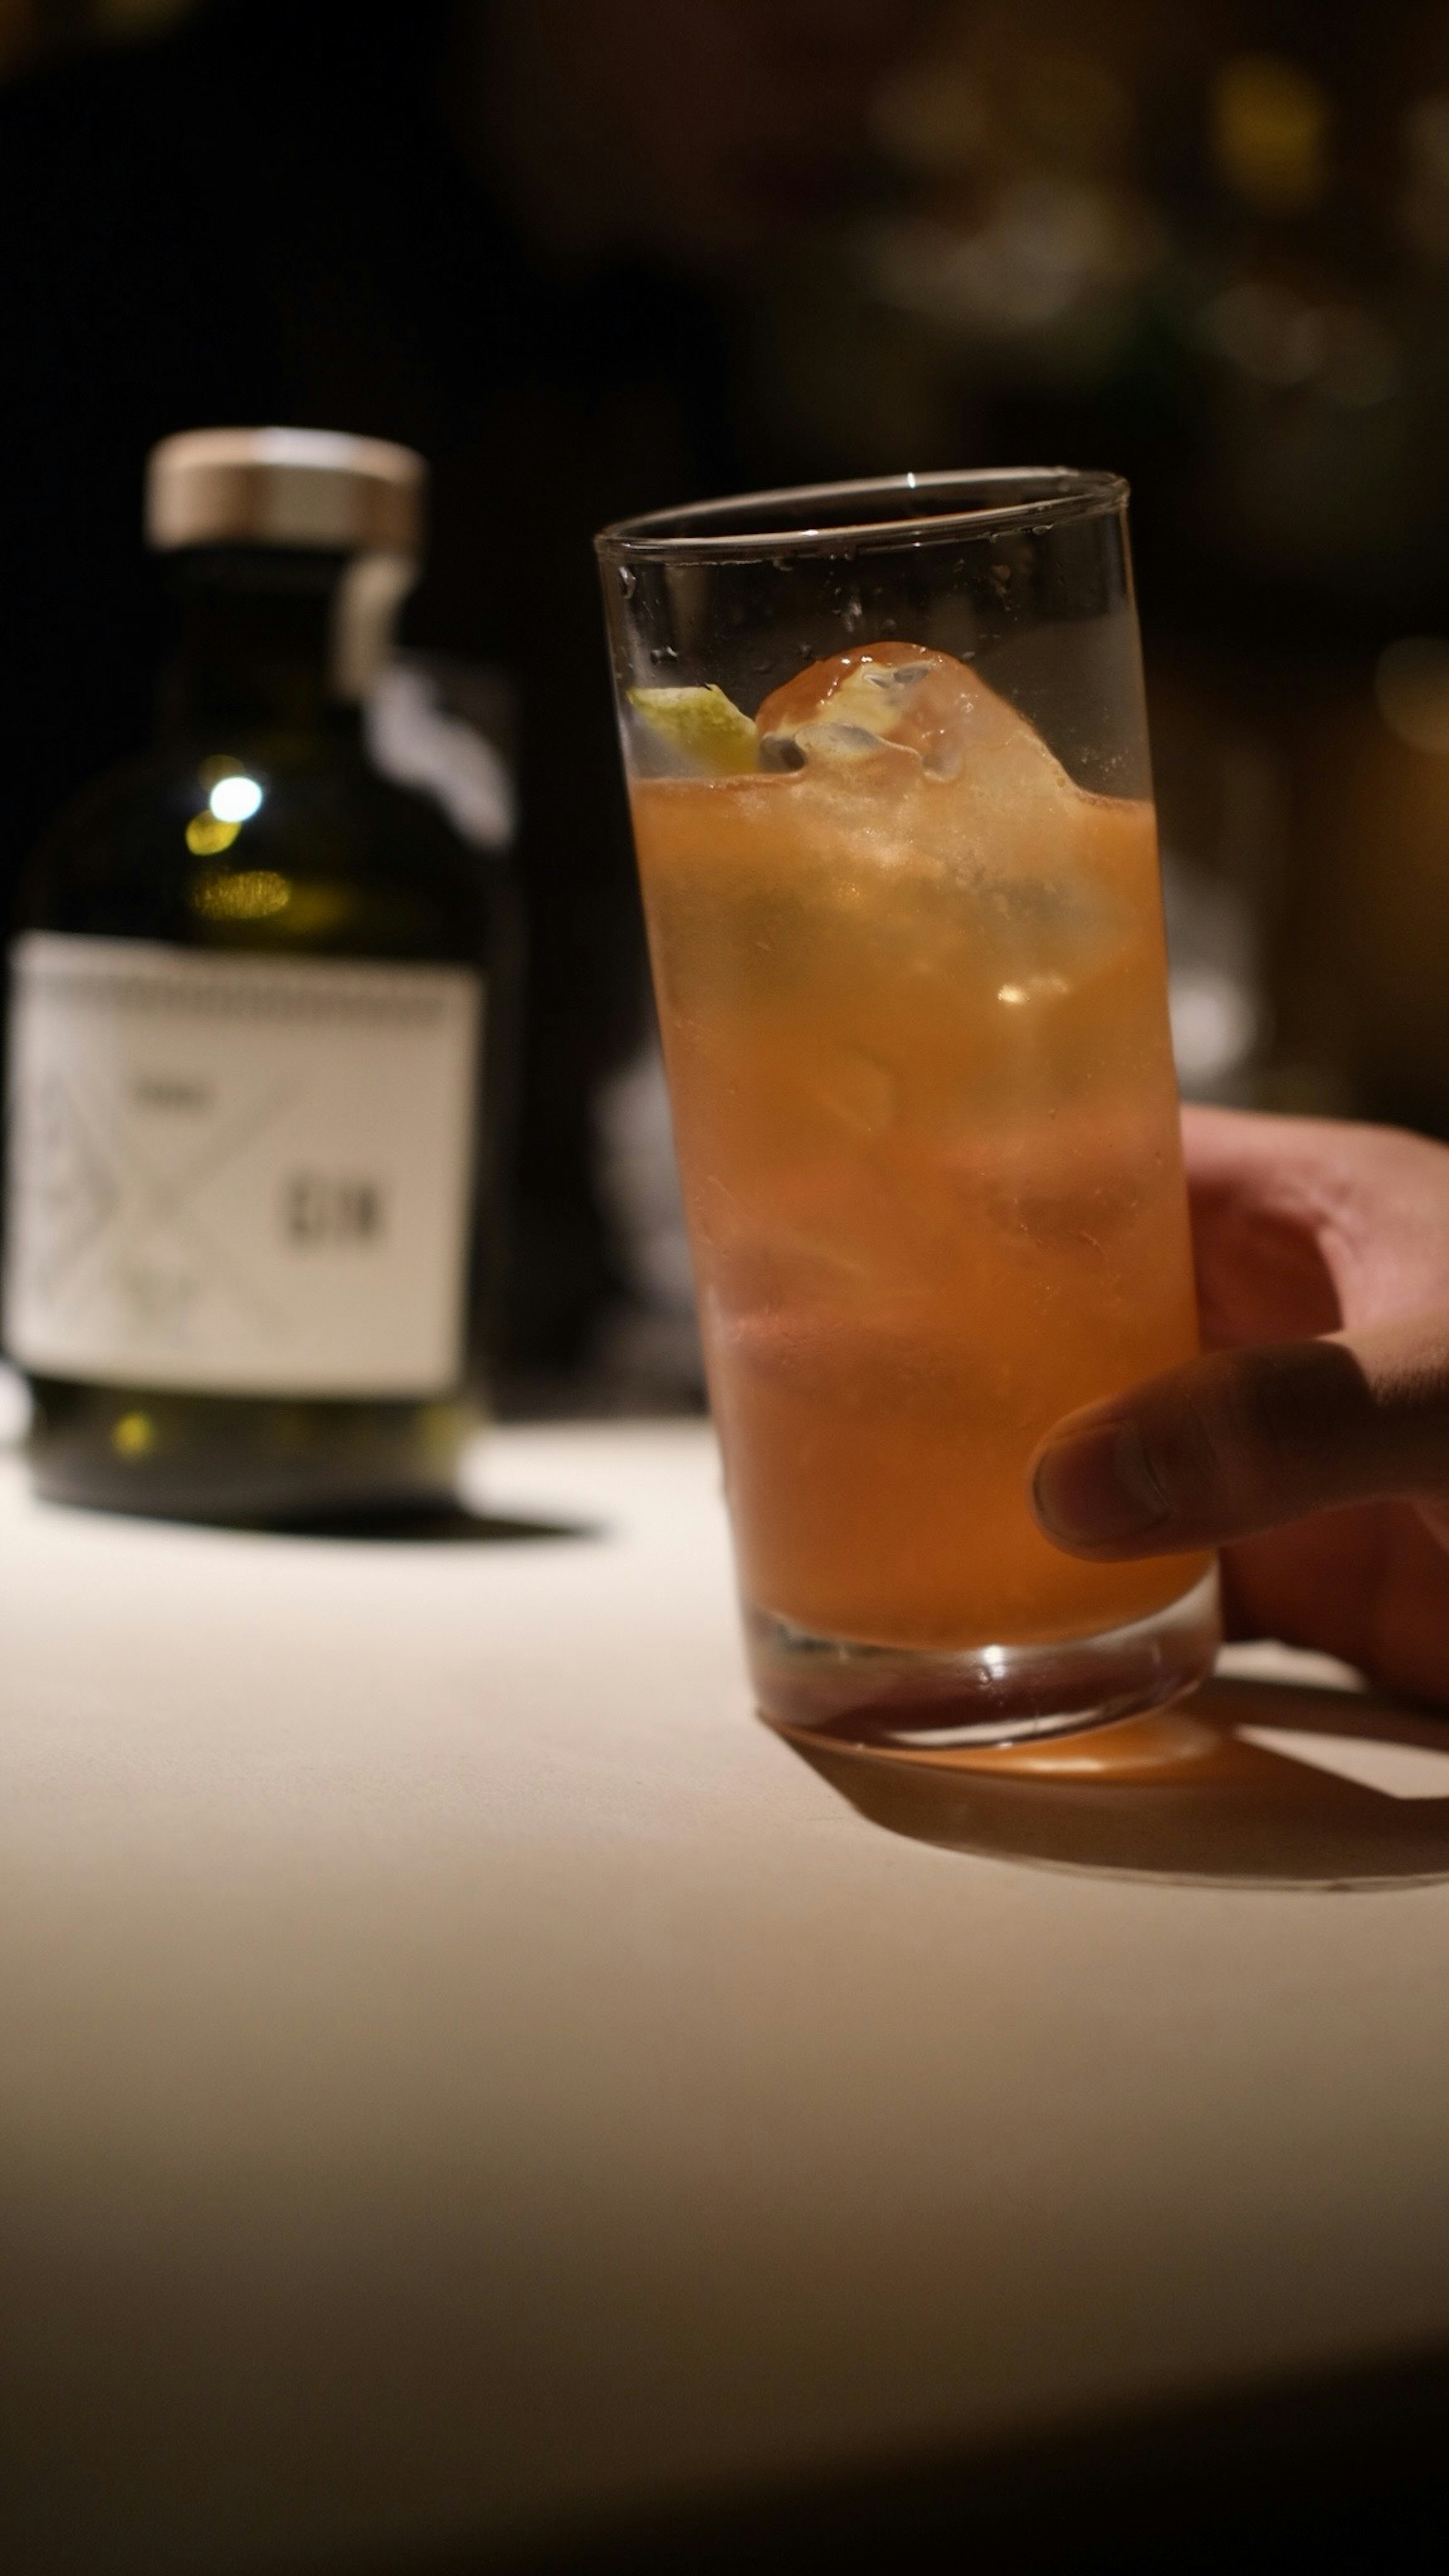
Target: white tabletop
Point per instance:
(463, 2075)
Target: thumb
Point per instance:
(1245, 1440)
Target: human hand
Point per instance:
(1312, 1442)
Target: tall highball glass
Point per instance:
(888, 764)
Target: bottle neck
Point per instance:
(278, 640)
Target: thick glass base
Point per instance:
(884, 1699)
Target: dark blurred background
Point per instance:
(598, 255)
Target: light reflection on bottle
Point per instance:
(240, 894)
(236, 799)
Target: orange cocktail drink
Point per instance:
(912, 994)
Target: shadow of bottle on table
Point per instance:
(1250, 1783)
(431, 1525)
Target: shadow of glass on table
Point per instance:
(1256, 1783)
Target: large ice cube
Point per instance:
(905, 758)
(898, 695)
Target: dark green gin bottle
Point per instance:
(254, 1041)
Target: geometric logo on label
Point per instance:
(73, 1184)
(83, 1184)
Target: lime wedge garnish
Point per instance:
(702, 727)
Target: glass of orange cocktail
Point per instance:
(887, 761)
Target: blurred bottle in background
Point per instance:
(512, 234)
(253, 1188)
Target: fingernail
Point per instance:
(1098, 1488)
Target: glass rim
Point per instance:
(702, 530)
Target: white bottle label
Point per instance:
(235, 1174)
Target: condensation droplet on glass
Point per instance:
(628, 581)
(853, 611)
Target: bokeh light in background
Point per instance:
(31, 29)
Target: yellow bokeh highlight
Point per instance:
(207, 835)
(318, 907)
(239, 894)
(134, 1435)
(1270, 131)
